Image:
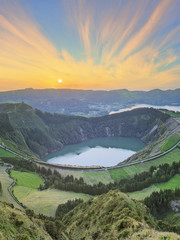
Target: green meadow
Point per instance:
(4, 153)
(25, 179)
(92, 177)
(170, 142)
(129, 171)
(173, 183)
(45, 202)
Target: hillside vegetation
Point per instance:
(112, 216)
(172, 184)
(33, 132)
(170, 142)
(15, 224)
(4, 153)
(129, 171)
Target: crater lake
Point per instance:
(107, 151)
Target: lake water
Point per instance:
(171, 108)
(105, 152)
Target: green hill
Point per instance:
(15, 224)
(112, 216)
(23, 131)
(33, 132)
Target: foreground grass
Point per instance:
(4, 153)
(170, 142)
(129, 171)
(16, 225)
(172, 184)
(25, 179)
(47, 201)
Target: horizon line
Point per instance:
(93, 90)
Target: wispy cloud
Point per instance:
(133, 41)
(126, 45)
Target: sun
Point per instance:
(59, 80)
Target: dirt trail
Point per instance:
(6, 181)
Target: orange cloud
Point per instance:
(147, 30)
(128, 58)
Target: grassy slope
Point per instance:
(6, 182)
(96, 177)
(27, 228)
(25, 179)
(170, 142)
(46, 201)
(111, 216)
(171, 113)
(171, 184)
(4, 153)
(140, 195)
(129, 171)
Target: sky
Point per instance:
(89, 44)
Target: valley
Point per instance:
(42, 186)
(89, 120)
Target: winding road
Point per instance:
(147, 159)
(94, 168)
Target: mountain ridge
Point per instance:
(37, 133)
(113, 215)
(89, 102)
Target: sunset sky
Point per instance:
(89, 44)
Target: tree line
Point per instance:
(62, 209)
(162, 173)
(53, 179)
(159, 201)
